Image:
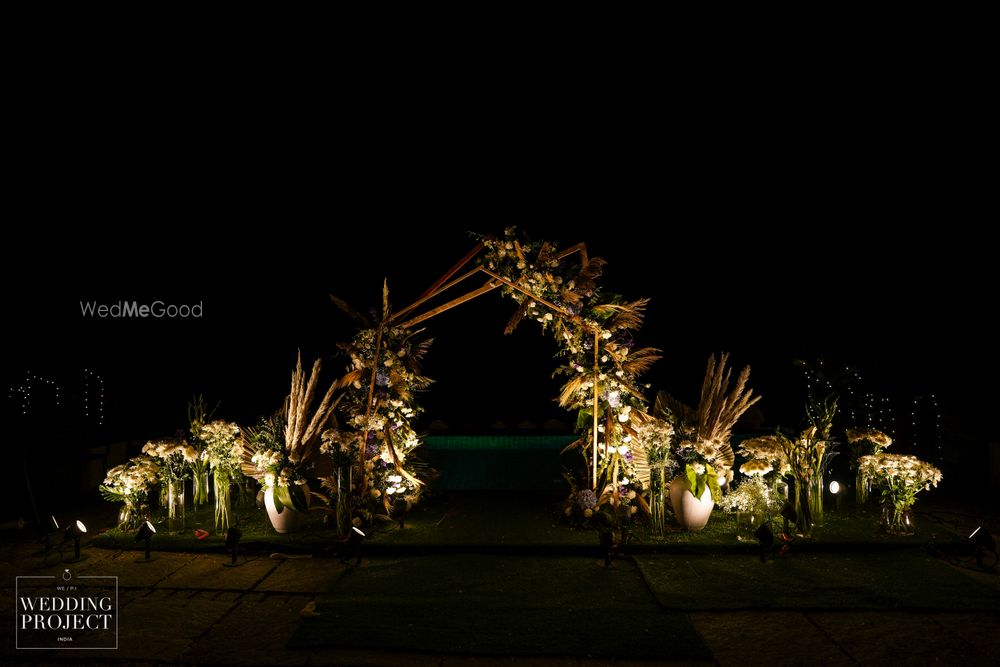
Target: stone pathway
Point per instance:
(189, 609)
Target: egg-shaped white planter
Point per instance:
(692, 513)
(288, 520)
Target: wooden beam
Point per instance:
(462, 262)
(428, 297)
(520, 289)
(596, 371)
(579, 247)
(489, 286)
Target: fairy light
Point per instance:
(939, 444)
(91, 377)
(22, 394)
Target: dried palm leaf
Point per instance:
(346, 308)
(575, 444)
(516, 318)
(640, 462)
(670, 409)
(570, 389)
(350, 378)
(639, 361)
(627, 315)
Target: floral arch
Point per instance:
(558, 288)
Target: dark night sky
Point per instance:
(830, 244)
(911, 325)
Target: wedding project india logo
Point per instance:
(66, 612)
(156, 309)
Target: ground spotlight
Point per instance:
(354, 541)
(145, 534)
(74, 532)
(983, 543)
(836, 489)
(233, 536)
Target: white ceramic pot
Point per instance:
(288, 520)
(692, 513)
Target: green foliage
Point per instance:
(698, 481)
(292, 496)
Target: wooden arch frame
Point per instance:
(406, 318)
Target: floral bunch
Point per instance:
(766, 451)
(222, 445)
(866, 441)
(753, 495)
(386, 367)
(901, 477)
(599, 357)
(176, 455)
(756, 468)
(269, 461)
(698, 457)
(129, 484)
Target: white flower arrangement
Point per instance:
(901, 477)
(176, 455)
(223, 450)
(129, 484)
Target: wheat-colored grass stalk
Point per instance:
(720, 408)
(302, 430)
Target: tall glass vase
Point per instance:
(803, 517)
(175, 505)
(816, 499)
(897, 520)
(658, 500)
(223, 502)
(200, 488)
(861, 491)
(343, 504)
(130, 515)
(747, 524)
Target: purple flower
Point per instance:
(586, 499)
(382, 379)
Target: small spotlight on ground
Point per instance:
(145, 534)
(75, 531)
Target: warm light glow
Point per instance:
(834, 487)
(974, 532)
(150, 526)
(356, 530)
(82, 528)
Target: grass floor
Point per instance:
(903, 579)
(254, 524)
(500, 605)
(514, 523)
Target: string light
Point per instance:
(88, 376)
(22, 393)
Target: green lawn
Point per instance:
(499, 605)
